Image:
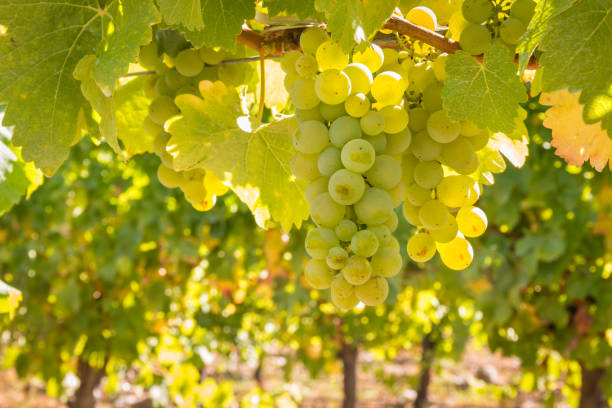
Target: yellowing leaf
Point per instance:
(576, 141)
(276, 94)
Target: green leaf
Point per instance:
(42, 46)
(255, 159)
(184, 12)
(9, 298)
(578, 55)
(486, 93)
(355, 21)
(131, 109)
(301, 8)
(222, 23)
(537, 26)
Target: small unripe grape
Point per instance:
(332, 86)
(357, 105)
(441, 128)
(316, 187)
(396, 118)
(372, 123)
(345, 230)
(358, 155)
(417, 195)
(417, 119)
(398, 143)
(343, 130)
(161, 109)
(303, 94)
(364, 243)
(331, 112)
(188, 62)
(447, 232)
(329, 161)
(306, 65)
(385, 173)
(331, 56)
(511, 30)
(304, 166)
(388, 88)
(357, 270)
(411, 213)
(318, 274)
(148, 56)
(310, 137)
(375, 207)
(475, 39)
(458, 154)
(433, 214)
(312, 38)
(337, 258)
(428, 174)
(360, 77)
(319, 241)
(346, 187)
(421, 247)
(423, 147)
(386, 262)
(378, 142)
(288, 60)
(373, 292)
(477, 11)
(326, 212)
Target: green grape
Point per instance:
(289, 80)
(372, 123)
(357, 105)
(312, 38)
(390, 57)
(424, 147)
(346, 187)
(433, 214)
(316, 187)
(188, 90)
(306, 65)
(409, 163)
(343, 130)
(329, 161)
(453, 191)
(357, 270)
(325, 212)
(168, 177)
(310, 137)
(174, 80)
(458, 154)
(304, 166)
(162, 88)
(469, 128)
(345, 230)
(456, 254)
(421, 75)
(428, 174)
(331, 112)
(477, 11)
(161, 109)
(287, 62)
(511, 30)
(471, 168)
(364, 243)
(417, 195)
(319, 241)
(394, 244)
(398, 143)
(331, 56)
(378, 142)
(439, 67)
(447, 232)
(421, 247)
(422, 16)
(417, 119)
(475, 39)
(188, 62)
(343, 293)
(233, 74)
(303, 93)
(372, 57)
(523, 10)
(480, 140)
(382, 232)
(149, 87)
(151, 128)
(386, 262)
(318, 274)
(441, 128)
(432, 96)
(194, 190)
(332, 86)
(388, 88)
(159, 148)
(386, 172)
(397, 194)
(396, 118)
(401, 71)
(472, 221)
(302, 115)
(392, 222)
(375, 207)
(373, 292)
(148, 57)
(358, 155)
(337, 258)
(360, 76)
(210, 56)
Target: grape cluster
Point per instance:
(483, 20)
(179, 72)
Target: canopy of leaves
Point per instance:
(486, 93)
(9, 298)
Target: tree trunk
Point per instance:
(349, 362)
(427, 355)
(90, 378)
(258, 374)
(591, 393)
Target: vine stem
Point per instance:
(279, 41)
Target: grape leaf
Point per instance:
(9, 298)
(211, 134)
(41, 47)
(301, 8)
(544, 11)
(576, 141)
(185, 12)
(222, 23)
(486, 93)
(276, 94)
(365, 17)
(578, 55)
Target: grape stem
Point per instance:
(277, 42)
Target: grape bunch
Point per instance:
(482, 20)
(178, 69)
(372, 134)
